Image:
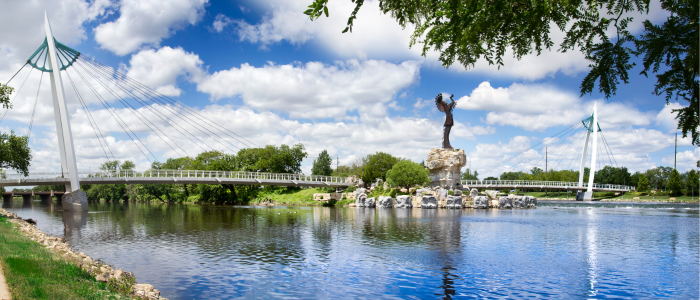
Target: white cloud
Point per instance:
(666, 118)
(220, 22)
(160, 69)
(146, 22)
(536, 107)
(315, 90)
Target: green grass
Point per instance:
(292, 197)
(34, 272)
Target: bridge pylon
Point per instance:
(591, 124)
(75, 199)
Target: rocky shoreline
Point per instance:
(121, 280)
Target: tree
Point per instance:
(467, 31)
(490, 178)
(535, 170)
(643, 184)
(406, 174)
(322, 164)
(272, 159)
(377, 165)
(5, 92)
(512, 176)
(674, 183)
(15, 153)
(468, 175)
(691, 183)
(128, 165)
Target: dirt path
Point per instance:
(4, 292)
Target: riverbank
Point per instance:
(40, 266)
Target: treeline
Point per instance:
(660, 179)
(396, 171)
(283, 159)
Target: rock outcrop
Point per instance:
(481, 202)
(505, 202)
(429, 202)
(444, 166)
(385, 201)
(404, 201)
(454, 202)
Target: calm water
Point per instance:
(555, 251)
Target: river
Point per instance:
(558, 250)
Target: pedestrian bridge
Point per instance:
(549, 185)
(176, 176)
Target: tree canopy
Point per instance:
(322, 164)
(406, 173)
(377, 165)
(15, 153)
(469, 30)
(643, 184)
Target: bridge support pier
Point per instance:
(59, 198)
(581, 196)
(7, 198)
(45, 199)
(27, 200)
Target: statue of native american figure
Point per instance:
(447, 109)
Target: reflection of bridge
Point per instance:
(549, 185)
(178, 176)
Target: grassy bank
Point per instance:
(34, 272)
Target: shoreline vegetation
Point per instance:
(39, 266)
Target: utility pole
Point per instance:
(545, 168)
(675, 152)
(337, 163)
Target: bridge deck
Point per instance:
(549, 185)
(180, 177)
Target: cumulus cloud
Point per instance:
(146, 22)
(315, 90)
(666, 119)
(536, 107)
(160, 68)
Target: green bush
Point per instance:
(450, 192)
(350, 189)
(393, 193)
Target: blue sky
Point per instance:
(264, 71)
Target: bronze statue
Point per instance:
(447, 109)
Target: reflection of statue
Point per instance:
(447, 109)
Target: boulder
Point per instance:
(481, 202)
(458, 192)
(385, 201)
(441, 194)
(429, 202)
(421, 192)
(454, 202)
(360, 200)
(444, 167)
(519, 201)
(404, 201)
(360, 191)
(493, 195)
(370, 202)
(473, 193)
(505, 202)
(531, 201)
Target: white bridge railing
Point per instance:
(180, 174)
(542, 184)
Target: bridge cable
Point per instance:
(566, 150)
(123, 101)
(147, 93)
(560, 142)
(608, 145)
(91, 119)
(34, 110)
(576, 154)
(155, 111)
(116, 117)
(572, 127)
(158, 113)
(17, 93)
(135, 112)
(13, 76)
(173, 102)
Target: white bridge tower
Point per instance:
(591, 124)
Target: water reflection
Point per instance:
(192, 251)
(73, 223)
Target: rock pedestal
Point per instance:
(403, 201)
(385, 201)
(444, 166)
(75, 201)
(429, 202)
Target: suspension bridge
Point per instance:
(175, 125)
